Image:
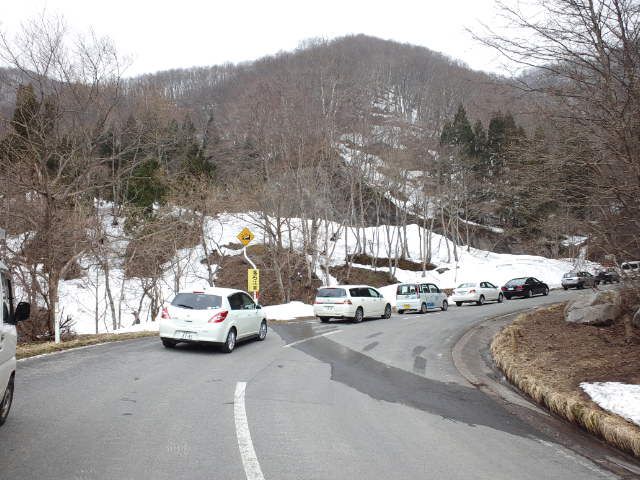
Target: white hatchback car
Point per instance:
(8, 339)
(476, 292)
(214, 315)
(420, 297)
(356, 302)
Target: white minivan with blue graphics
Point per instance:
(420, 297)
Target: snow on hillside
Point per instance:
(85, 299)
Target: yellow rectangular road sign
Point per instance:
(245, 236)
(253, 280)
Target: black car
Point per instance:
(610, 275)
(524, 287)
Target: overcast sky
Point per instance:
(162, 34)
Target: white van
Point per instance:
(8, 338)
(420, 297)
(355, 302)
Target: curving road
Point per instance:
(377, 400)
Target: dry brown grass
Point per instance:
(27, 350)
(547, 359)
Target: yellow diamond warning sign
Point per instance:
(245, 236)
(253, 280)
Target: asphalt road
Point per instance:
(376, 400)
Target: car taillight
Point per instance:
(165, 313)
(504, 289)
(219, 317)
(472, 291)
(347, 302)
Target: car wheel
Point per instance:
(508, 297)
(545, 292)
(262, 333)
(529, 294)
(7, 399)
(566, 288)
(458, 304)
(230, 343)
(168, 343)
(423, 308)
(359, 315)
(400, 312)
(581, 286)
(500, 298)
(445, 306)
(480, 300)
(387, 311)
(325, 319)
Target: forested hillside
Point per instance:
(352, 133)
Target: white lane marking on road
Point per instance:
(249, 459)
(311, 338)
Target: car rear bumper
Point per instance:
(408, 304)
(210, 333)
(465, 298)
(334, 310)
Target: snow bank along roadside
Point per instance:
(619, 398)
(507, 349)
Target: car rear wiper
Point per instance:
(184, 306)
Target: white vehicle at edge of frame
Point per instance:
(220, 316)
(476, 292)
(420, 297)
(355, 302)
(8, 340)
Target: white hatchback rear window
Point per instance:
(331, 293)
(197, 301)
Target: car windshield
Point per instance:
(197, 301)
(516, 281)
(466, 285)
(406, 290)
(570, 274)
(331, 292)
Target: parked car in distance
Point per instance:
(630, 269)
(578, 280)
(609, 275)
(8, 339)
(524, 287)
(420, 297)
(476, 292)
(355, 302)
(220, 316)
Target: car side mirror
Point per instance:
(23, 311)
(258, 306)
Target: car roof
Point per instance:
(223, 292)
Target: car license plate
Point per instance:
(406, 305)
(510, 288)
(186, 335)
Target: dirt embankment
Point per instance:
(548, 358)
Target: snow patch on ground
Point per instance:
(288, 311)
(619, 398)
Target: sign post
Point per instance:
(253, 274)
